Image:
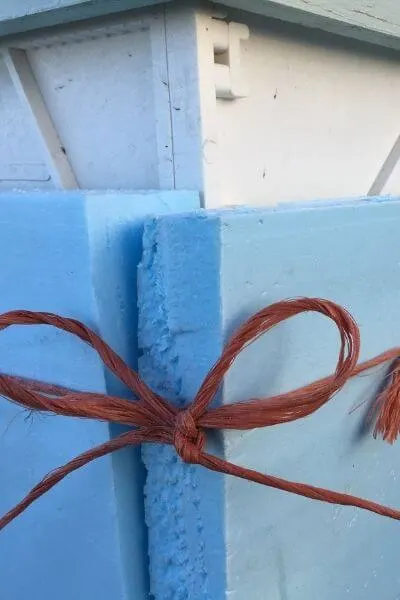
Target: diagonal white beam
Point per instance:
(28, 90)
(386, 170)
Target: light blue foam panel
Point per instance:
(74, 254)
(217, 538)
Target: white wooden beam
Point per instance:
(29, 92)
(387, 170)
(376, 22)
(26, 15)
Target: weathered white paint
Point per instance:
(25, 83)
(193, 39)
(320, 119)
(133, 102)
(106, 94)
(105, 87)
(193, 100)
(22, 159)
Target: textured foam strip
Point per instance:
(180, 335)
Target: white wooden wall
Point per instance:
(138, 103)
(102, 92)
(320, 119)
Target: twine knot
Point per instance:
(189, 440)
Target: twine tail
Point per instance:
(129, 438)
(386, 410)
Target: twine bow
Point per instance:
(157, 420)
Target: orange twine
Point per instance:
(156, 420)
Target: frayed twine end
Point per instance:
(386, 410)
